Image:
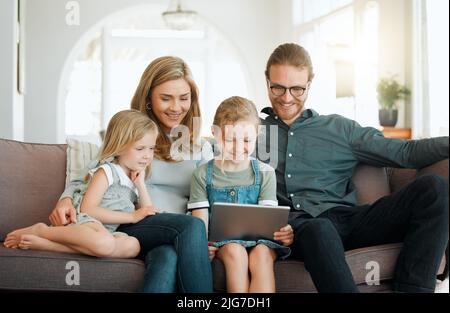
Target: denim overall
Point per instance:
(243, 195)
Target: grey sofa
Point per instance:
(32, 177)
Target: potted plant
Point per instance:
(389, 92)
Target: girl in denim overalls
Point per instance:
(234, 177)
(109, 198)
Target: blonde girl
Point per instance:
(233, 176)
(115, 194)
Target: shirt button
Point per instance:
(291, 133)
(291, 195)
(232, 193)
(290, 155)
(289, 175)
(276, 117)
(298, 205)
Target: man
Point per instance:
(316, 158)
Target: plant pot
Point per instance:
(387, 117)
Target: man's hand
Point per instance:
(285, 235)
(64, 213)
(211, 250)
(143, 212)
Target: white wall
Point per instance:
(252, 25)
(11, 114)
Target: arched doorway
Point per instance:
(103, 69)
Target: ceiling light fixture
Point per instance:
(179, 19)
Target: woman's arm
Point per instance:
(64, 213)
(93, 197)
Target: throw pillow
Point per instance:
(80, 156)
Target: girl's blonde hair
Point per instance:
(232, 110)
(159, 71)
(124, 129)
(235, 109)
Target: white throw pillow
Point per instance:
(80, 155)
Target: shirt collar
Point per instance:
(308, 113)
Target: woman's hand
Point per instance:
(285, 235)
(143, 212)
(211, 250)
(64, 213)
(138, 178)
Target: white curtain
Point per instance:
(430, 97)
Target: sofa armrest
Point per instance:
(439, 168)
(400, 177)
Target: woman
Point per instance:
(173, 245)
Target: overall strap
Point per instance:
(209, 173)
(257, 172)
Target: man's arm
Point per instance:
(371, 147)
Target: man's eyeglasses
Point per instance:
(278, 90)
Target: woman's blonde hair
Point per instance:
(124, 129)
(232, 110)
(159, 71)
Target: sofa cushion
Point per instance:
(31, 180)
(292, 276)
(41, 270)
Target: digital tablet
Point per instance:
(246, 221)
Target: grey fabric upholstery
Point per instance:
(31, 181)
(32, 177)
(42, 270)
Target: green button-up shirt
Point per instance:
(315, 158)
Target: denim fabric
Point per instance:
(243, 195)
(233, 194)
(416, 215)
(161, 270)
(187, 236)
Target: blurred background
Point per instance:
(68, 66)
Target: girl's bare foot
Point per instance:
(13, 238)
(34, 242)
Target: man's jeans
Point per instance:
(176, 252)
(416, 215)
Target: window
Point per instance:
(342, 41)
(438, 72)
(430, 97)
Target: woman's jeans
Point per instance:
(175, 249)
